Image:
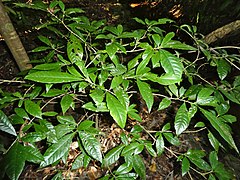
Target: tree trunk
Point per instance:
(13, 41)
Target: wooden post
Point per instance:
(13, 41)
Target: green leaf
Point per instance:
(41, 48)
(132, 148)
(205, 99)
(174, 89)
(84, 125)
(48, 66)
(97, 95)
(181, 120)
(91, 145)
(167, 38)
(223, 68)
(124, 168)
(171, 64)
(33, 137)
(185, 166)
(213, 159)
(164, 103)
(78, 162)
(56, 151)
(139, 166)
(221, 127)
(14, 161)
(146, 56)
(117, 110)
(146, 93)
(172, 139)
(112, 156)
(66, 120)
(157, 39)
(150, 149)
(73, 11)
(111, 50)
(33, 109)
(178, 45)
(213, 141)
(5, 124)
(32, 154)
(116, 81)
(44, 40)
(52, 77)
(160, 145)
(66, 103)
(200, 163)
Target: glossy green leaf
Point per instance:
(32, 154)
(200, 163)
(132, 148)
(44, 40)
(66, 103)
(33, 137)
(111, 50)
(167, 38)
(78, 162)
(52, 77)
(84, 125)
(57, 150)
(160, 145)
(181, 120)
(124, 168)
(171, 64)
(33, 108)
(178, 45)
(112, 156)
(157, 39)
(117, 110)
(213, 141)
(150, 149)
(192, 111)
(164, 103)
(97, 95)
(146, 93)
(185, 166)
(172, 139)
(116, 81)
(91, 145)
(221, 127)
(53, 92)
(146, 56)
(174, 89)
(66, 120)
(5, 124)
(213, 158)
(73, 11)
(14, 161)
(155, 59)
(48, 66)
(223, 68)
(139, 167)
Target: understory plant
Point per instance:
(92, 71)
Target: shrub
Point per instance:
(97, 68)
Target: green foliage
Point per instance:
(102, 70)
